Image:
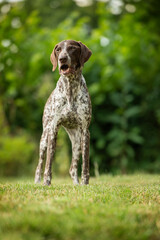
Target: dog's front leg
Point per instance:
(50, 154)
(42, 151)
(85, 157)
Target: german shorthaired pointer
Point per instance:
(69, 105)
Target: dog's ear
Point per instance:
(53, 59)
(85, 53)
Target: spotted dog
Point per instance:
(69, 105)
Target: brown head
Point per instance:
(70, 56)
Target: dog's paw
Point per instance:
(75, 182)
(84, 182)
(47, 181)
(37, 179)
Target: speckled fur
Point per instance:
(69, 105)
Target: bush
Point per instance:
(122, 76)
(16, 154)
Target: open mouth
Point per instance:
(65, 69)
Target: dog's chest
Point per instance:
(71, 103)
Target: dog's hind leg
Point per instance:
(85, 157)
(75, 137)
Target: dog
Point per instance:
(69, 105)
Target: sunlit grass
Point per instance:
(120, 207)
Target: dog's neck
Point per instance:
(71, 85)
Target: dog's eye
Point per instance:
(71, 48)
(58, 49)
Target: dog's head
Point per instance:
(70, 56)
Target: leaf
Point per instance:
(134, 137)
(117, 135)
(132, 111)
(101, 143)
(113, 118)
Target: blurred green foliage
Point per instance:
(122, 75)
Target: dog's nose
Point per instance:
(63, 59)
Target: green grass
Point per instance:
(110, 208)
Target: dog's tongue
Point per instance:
(68, 70)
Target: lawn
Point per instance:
(110, 208)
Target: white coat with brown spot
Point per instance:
(69, 105)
